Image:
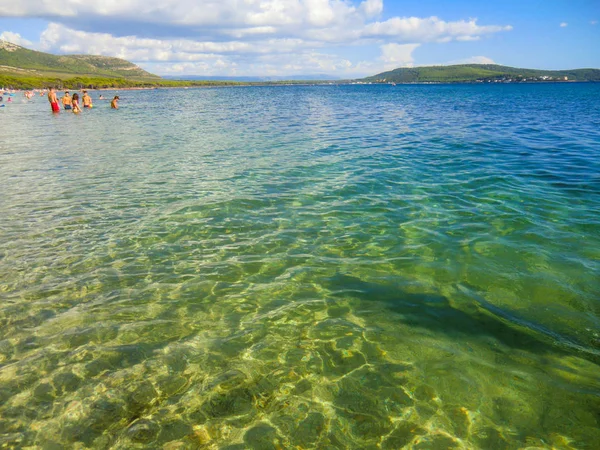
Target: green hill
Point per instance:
(21, 62)
(463, 73)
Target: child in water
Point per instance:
(115, 102)
(75, 103)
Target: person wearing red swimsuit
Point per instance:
(53, 100)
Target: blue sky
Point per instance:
(289, 37)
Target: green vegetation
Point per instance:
(480, 72)
(33, 82)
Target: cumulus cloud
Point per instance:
(15, 38)
(67, 40)
(222, 13)
(563, 24)
(222, 18)
(181, 35)
(397, 55)
(430, 29)
(372, 8)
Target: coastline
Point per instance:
(283, 83)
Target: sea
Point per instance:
(303, 267)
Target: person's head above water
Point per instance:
(75, 96)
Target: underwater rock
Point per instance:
(174, 429)
(366, 426)
(335, 311)
(66, 382)
(310, 430)
(262, 437)
(171, 385)
(44, 393)
(104, 413)
(232, 403)
(96, 367)
(143, 431)
(404, 433)
(302, 387)
(141, 398)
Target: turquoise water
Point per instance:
(295, 267)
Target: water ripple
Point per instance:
(303, 267)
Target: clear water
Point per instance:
(303, 267)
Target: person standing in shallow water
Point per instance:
(87, 100)
(75, 102)
(53, 100)
(115, 102)
(66, 101)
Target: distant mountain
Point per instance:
(309, 77)
(480, 72)
(19, 61)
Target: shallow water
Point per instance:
(303, 267)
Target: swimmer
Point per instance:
(67, 101)
(53, 101)
(75, 104)
(115, 102)
(101, 97)
(87, 100)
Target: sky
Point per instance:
(341, 38)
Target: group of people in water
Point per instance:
(72, 103)
(68, 102)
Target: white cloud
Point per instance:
(372, 8)
(593, 22)
(15, 38)
(397, 55)
(66, 40)
(180, 35)
(432, 29)
(193, 18)
(563, 24)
